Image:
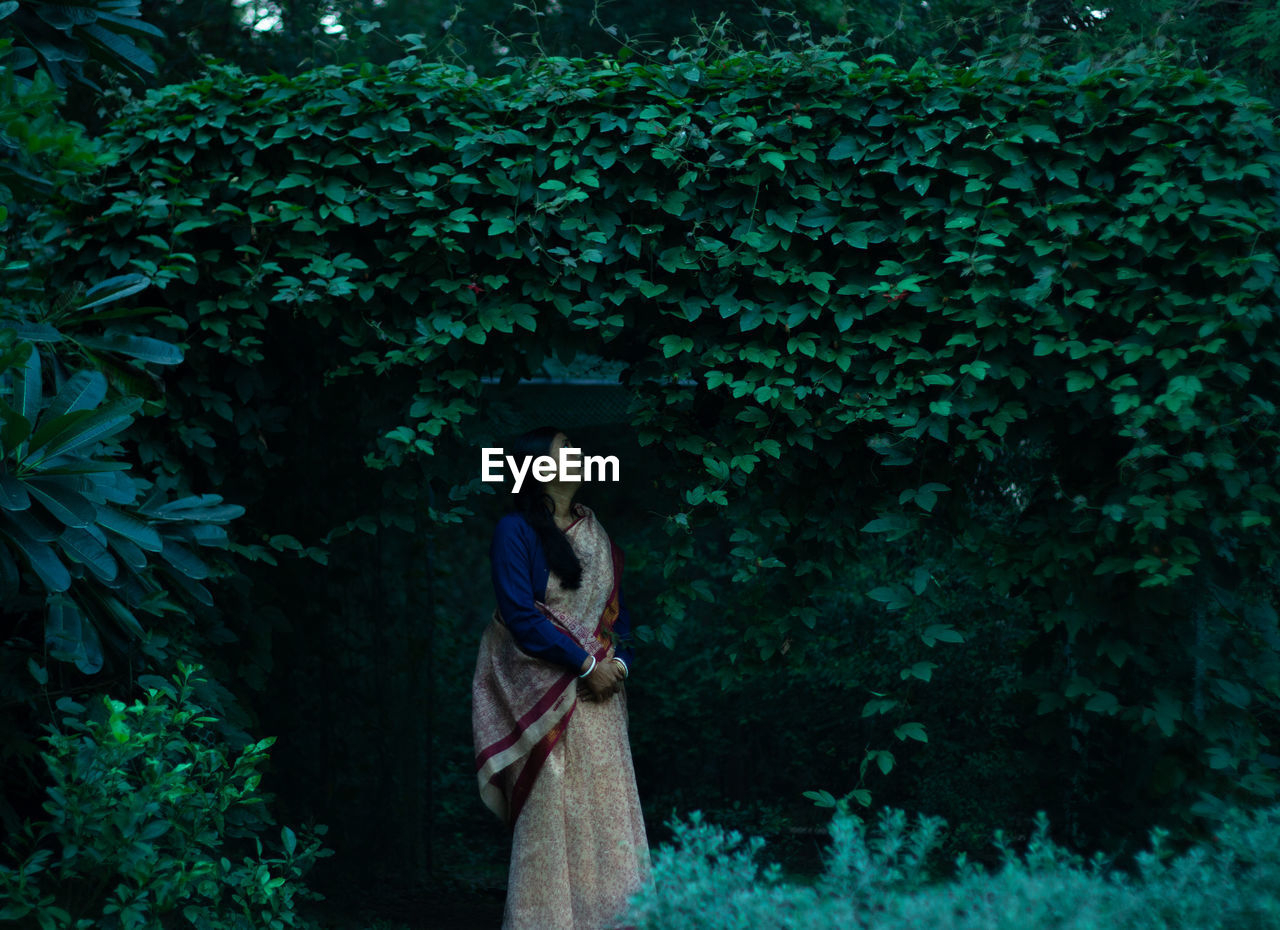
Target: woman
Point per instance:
(549, 710)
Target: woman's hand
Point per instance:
(603, 682)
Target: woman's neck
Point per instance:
(563, 501)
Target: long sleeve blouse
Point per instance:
(519, 570)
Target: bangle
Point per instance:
(591, 669)
(626, 672)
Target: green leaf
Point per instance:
(83, 390)
(16, 427)
(844, 148)
(1233, 692)
(927, 495)
(920, 578)
(1079, 685)
(1166, 712)
(878, 705)
(1080, 381)
(914, 731)
(60, 496)
(940, 632)
(140, 347)
(776, 159)
(123, 49)
(921, 670)
(182, 559)
(40, 557)
(894, 598)
(86, 549)
(718, 469)
(207, 508)
(674, 345)
(28, 392)
(13, 493)
(821, 798)
(71, 636)
(123, 616)
(51, 427)
(130, 528)
(75, 430)
(891, 523)
(1103, 702)
(113, 289)
(1038, 133)
(126, 551)
(15, 356)
(1220, 758)
(35, 332)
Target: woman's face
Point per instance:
(561, 441)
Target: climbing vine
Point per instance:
(1032, 312)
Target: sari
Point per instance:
(556, 769)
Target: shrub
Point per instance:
(710, 879)
(141, 804)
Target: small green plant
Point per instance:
(149, 819)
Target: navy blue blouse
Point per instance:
(519, 569)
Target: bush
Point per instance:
(140, 805)
(710, 879)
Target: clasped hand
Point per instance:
(604, 681)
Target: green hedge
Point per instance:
(1033, 311)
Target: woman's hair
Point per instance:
(531, 503)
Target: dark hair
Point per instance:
(531, 503)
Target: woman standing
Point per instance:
(549, 711)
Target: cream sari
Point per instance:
(556, 768)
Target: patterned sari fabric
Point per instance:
(558, 768)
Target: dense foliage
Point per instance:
(100, 583)
(1014, 322)
(59, 39)
(1033, 312)
(266, 36)
(888, 878)
(139, 808)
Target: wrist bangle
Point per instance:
(626, 672)
(589, 670)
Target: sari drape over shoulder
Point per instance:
(558, 769)
(521, 705)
